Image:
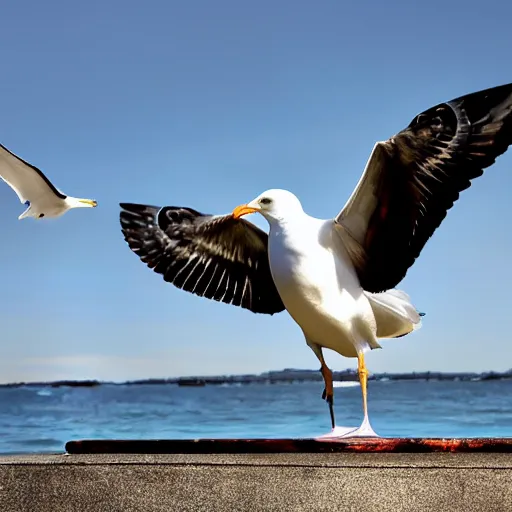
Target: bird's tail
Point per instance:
(394, 313)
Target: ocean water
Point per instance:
(37, 420)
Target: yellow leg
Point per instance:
(363, 379)
(365, 430)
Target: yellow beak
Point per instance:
(243, 209)
(90, 202)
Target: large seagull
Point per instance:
(335, 277)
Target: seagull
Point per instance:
(335, 277)
(35, 190)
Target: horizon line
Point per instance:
(267, 374)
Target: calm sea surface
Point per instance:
(43, 419)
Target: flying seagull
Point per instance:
(35, 190)
(335, 277)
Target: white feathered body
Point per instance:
(47, 205)
(320, 289)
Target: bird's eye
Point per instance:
(265, 200)
(41, 215)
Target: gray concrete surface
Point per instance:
(463, 482)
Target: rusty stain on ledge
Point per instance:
(359, 445)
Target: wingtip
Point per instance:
(130, 208)
(138, 207)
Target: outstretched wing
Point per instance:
(217, 257)
(29, 183)
(414, 178)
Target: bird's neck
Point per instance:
(292, 226)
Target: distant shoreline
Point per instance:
(274, 377)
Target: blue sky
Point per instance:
(207, 104)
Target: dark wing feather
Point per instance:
(217, 257)
(414, 178)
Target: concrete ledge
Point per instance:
(316, 445)
(341, 482)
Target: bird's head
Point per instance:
(275, 205)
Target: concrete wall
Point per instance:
(462, 482)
